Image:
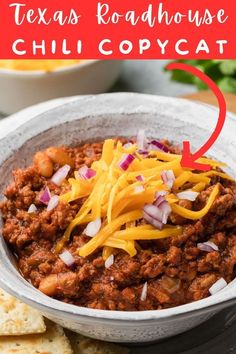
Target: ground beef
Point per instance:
(176, 271)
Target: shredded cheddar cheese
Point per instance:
(47, 65)
(194, 215)
(150, 233)
(108, 230)
(170, 157)
(120, 189)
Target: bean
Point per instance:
(48, 285)
(59, 156)
(43, 164)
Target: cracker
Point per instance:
(85, 345)
(17, 318)
(53, 341)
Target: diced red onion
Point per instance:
(109, 261)
(163, 206)
(217, 286)
(139, 189)
(188, 195)
(166, 211)
(208, 246)
(152, 221)
(67, 258)
(93, 228)
(32, 209)
(159, 200)
(127, 145)
(157, 145)
(162, 193)
(144, 153)
(153, 215)
(145, 146)
(140, 178)
(164, 177)
(141, 139)
(170, 174)
(53, 202)
(86, 173)
(60, 175)
(126, 161)
(45, 196)
(153, 211)
(168, 178)
(143, 296)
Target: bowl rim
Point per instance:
(39, 73)
(49, 305)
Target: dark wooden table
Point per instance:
(216, 336)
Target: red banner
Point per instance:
(117, 29)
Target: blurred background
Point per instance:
(26, 82)
(150, 77)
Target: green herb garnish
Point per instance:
(223, 72)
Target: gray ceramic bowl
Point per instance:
(91, 117)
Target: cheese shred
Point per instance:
(125, 181)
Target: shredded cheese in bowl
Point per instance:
(36, 64)
(127, 186)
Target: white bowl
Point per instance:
(20, 89)
(91, 117)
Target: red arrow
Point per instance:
(188, 159)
